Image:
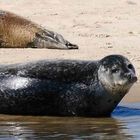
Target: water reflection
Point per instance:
(127, 110)
(124, 125)
(63, 128)
(129, 114)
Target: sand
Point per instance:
(99, 27)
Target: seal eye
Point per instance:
(130, 66)
(115, 70)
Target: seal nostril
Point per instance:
(128, 75)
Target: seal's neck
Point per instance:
(104, 100)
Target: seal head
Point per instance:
(116, 73)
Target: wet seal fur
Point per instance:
(65, 87)
(18, 32)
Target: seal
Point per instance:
(65, 87)
(18, 32)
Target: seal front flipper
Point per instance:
(51, 40)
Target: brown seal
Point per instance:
(18, 32)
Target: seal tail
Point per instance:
(52, 40)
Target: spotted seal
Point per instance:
(18, 32)
(65, 87)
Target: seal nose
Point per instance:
(131, 77)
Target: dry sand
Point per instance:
(99, 27)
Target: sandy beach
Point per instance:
(99, 27)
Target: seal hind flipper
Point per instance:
(71, 46)
(52, 40)
(60, 39)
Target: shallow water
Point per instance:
(123, 125)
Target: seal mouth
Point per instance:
(133, 79)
